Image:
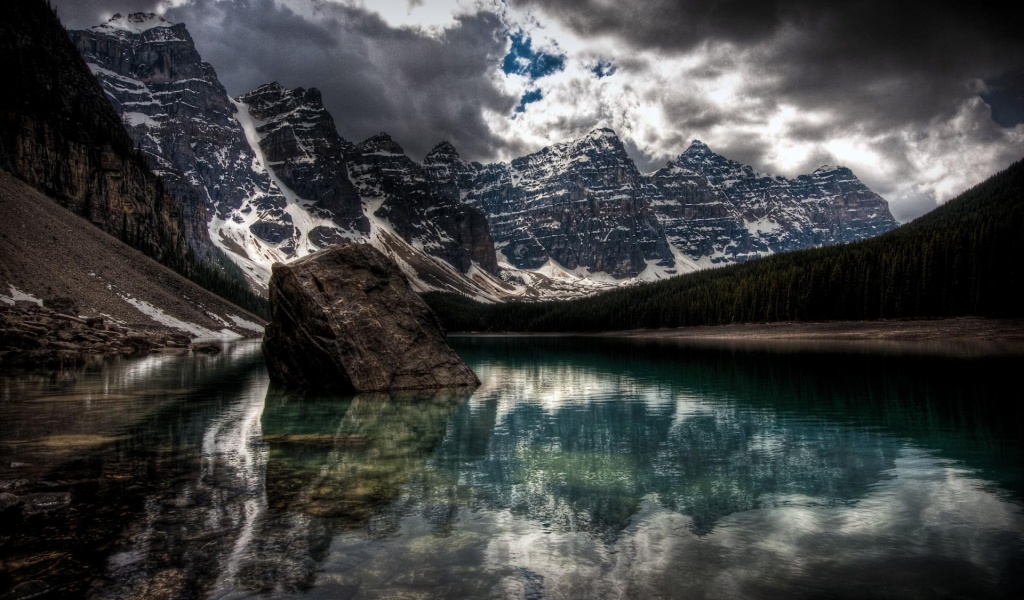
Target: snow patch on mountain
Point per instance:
(134, 22)
(234, 235)
(196, 331)
(15, 295)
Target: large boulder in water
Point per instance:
(345, 319)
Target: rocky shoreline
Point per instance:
(54, 336)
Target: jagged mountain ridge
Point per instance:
(582, 204)
(301, 145)
(380, 194)
(60, 134)
(443, 226)
(570, 219)
(271, 164)
(720, 210)
(175, 108)
(707, 209)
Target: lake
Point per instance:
(581, 468)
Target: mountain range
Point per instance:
(277, 182)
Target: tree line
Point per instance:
(963, 258)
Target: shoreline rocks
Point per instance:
(37, 336)
(346, 320)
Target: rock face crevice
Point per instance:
(346, 320)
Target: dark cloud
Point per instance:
(417, 87)
(666, 24)
(1005, 94)
(373, 77)
(877, 61)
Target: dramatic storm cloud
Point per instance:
(920, 101)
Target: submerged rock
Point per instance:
(345, 319)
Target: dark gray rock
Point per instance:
(711, 206)
(41, 337)
(274, 231)
(439, 223)
(582, 203)
(301, 144)
(345, 319)
(63, 305)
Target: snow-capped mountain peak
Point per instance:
(571, 218)
(442, 153)
(380, 143)
(134, 22)
(602, 133)
(698, 150)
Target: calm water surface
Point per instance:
(581, 468)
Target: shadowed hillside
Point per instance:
(59, 134)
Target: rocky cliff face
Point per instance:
(372, 191)
(301, 146)
(583, 204)
(61, 136)
(439, 224)
(178, 113)
(718, 210)
(346, 320)
(274, 171)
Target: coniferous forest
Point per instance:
(960, 259)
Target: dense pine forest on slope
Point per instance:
(960, 259)
(60, 134)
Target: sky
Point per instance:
(920, 101)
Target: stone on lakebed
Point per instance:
(345, 319)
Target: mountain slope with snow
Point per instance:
(271, 165)
(569, 220)
(721, 211)
(580, 204)
(104, 276)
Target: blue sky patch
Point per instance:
(604, 69)
(528, 97)
(522, 59)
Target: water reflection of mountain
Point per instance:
(954, 405)
(587, 467)
(583, 466)
(93, 458)
(583, 432)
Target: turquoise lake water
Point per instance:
(581, 468)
